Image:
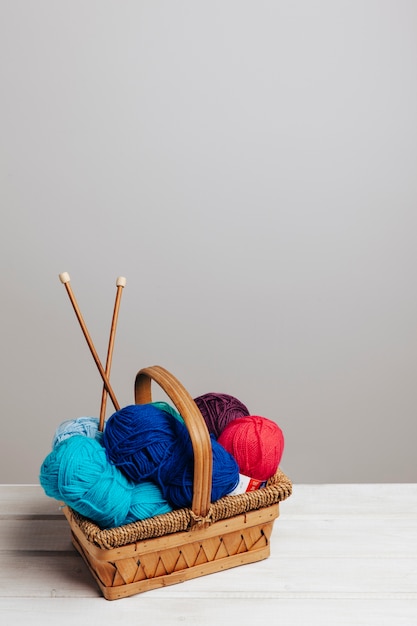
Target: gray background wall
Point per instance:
(250, 167)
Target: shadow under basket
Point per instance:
(185, 543)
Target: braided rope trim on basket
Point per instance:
(278, 488)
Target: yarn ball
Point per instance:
(147, 501)
(148, 443)
(139, 437)
(86, 426)
(257, 444)
(78, 472)
(219, 409)
(176, 474)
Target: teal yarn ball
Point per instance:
(78, 472)
(86, 426)
(164, 406)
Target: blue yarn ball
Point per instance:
(139, 437)
(146, 442)
(86, 426)
(78, 472)
(175, 475)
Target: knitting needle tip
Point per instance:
(64, 277)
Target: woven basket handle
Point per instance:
(195, 424)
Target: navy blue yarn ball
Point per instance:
(138, 438)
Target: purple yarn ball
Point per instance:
(219, 409)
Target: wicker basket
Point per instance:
(185, 543)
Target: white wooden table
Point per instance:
(340, 554)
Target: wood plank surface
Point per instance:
(340, 554)
(202, 612)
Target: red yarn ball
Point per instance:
(257, 444)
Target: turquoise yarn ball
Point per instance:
(147, 501)
(78, 473)
(49, 476)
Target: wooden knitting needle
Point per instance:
(65, 279)
(120, 284)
